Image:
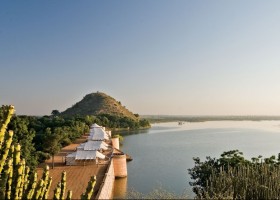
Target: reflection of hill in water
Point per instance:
(120, 188)
(133, 132)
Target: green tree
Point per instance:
(52, 144)
(232, 170)
(255, 181)
(55, 112)
(24, 136)
(201, 172)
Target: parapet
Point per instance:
(116, 142)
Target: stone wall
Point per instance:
(106, 188)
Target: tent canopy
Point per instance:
(98, 134)
(86, 155)
(93, 145)
(95, 126)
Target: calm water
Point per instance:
(162, 154)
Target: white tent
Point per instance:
(71, 155)
(88, 155)
(98, 134)
(93, 145)
(95, 126)
(81, 146)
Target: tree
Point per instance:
(55, 112)
(201, 172)
(52, 144)
(206, 173)
(24, 136)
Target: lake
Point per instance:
(162, 154)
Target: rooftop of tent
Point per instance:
(93, 145)
(86, 155)
(98, 134)
(95, 126)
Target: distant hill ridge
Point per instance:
(99, 103)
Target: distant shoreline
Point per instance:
(174, 118)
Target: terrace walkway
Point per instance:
(77, 177)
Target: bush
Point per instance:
(243, 182)
(42, 156)
(233, 177)
(66, 141)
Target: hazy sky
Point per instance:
(156, 57)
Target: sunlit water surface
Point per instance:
(162, 154)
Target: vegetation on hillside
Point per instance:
(233, 177)
(99, 103)
(117, 122)
(106, 111)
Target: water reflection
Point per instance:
(155, 127)
(120, 188)
(132, 132)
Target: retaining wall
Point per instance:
(106, 188)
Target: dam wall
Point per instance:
(117, 168)
(107, 186)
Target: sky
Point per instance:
(189, 57)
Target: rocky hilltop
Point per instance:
(99, 103)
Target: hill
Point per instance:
(99, 103)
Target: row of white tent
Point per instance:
(98, 133)
(90, 149)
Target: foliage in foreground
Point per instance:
(243, 182)
(233, 177)
(16, 180)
